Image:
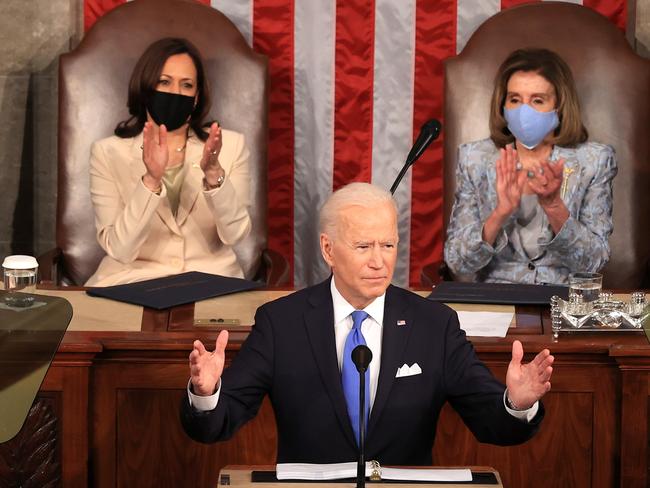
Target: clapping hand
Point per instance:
(210, 159)
(510, 182)
(155, 154)
(527, 383)
(206, 367)
(546, 181)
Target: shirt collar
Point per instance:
(342, 309)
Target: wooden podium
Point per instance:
(241, 477)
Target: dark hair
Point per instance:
(554, 69)
(144, 80)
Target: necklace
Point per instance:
(178, 149)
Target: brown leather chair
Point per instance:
(613, 84)
(93, 81)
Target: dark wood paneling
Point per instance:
(634, 366)
(69, 376)
(64, 397)
(153, 450)
(119, 395)
(138, 436)
(575, 416)
(32, 459)
(542, 461)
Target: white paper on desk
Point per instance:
(426, 474)
(316, 472)
(485, 324)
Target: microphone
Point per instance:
(428, 133)
(361, 357)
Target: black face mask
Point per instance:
(170, 109)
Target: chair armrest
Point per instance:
(434, 273)
(274, 269)
(50, 266)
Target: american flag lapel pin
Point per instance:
(401, 323)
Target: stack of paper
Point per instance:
(314, 472)
(317, 472)
(485, 324)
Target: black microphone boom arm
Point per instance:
(428, 133)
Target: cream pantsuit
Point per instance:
(136, 227)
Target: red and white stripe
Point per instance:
(352, 81)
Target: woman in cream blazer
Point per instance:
(137, 229)
(167, 200)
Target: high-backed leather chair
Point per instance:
(614, 88)
(93, 83)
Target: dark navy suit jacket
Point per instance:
(291, 356)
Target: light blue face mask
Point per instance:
(529, 126)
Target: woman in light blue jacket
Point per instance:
(533, 202)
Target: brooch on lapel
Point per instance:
(401, 323)
(565, 180)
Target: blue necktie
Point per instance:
(350, 375)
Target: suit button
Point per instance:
(531, 266)
(177, 263)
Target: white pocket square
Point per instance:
(407, 370)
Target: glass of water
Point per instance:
(20, 275)
(586, 288)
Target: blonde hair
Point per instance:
(554, 69)
(354, 194)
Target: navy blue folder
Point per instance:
(174, 290)
(496, 293)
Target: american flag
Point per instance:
(352, 81)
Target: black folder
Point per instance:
(174, 290)
(496, 293)
(478, 478)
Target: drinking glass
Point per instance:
(20, 274)
(585, 288)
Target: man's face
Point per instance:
(362, 252)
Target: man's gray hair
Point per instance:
(354, 194)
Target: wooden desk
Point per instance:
(114, 397)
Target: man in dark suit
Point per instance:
(298, 352)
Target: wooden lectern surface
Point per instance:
(98, 314)
(242, 306)
(240, 477)
(94, 314)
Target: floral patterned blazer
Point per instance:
(582, 243)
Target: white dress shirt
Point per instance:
(371, 329)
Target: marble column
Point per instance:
(33, 33)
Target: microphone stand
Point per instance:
(361, 357)
(361, 465)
